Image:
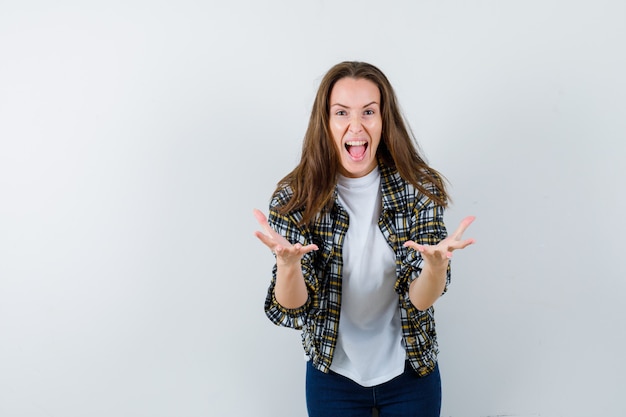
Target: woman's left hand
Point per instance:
(440, 253)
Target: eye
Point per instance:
(340, 113)
(368, 112)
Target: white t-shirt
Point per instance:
(369, 349)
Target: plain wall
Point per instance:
(137, 136)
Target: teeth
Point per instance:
(356, 143)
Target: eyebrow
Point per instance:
(346, 107)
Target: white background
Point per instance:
(136, 137)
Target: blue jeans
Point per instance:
(407, 395)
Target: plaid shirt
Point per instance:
(406, 214)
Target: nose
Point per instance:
(355, 124)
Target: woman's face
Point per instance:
(356, 124)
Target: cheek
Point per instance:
(337, 129)
(376, 128)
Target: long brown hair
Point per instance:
(314, 179)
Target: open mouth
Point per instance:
(356, 149)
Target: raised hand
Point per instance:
(440, 253)
(281, 247)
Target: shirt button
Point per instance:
(410, 340)
(392, 238)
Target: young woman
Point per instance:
(362, 253)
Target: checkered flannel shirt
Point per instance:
(406, 214)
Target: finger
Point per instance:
(298, 249)
(260, 217)
(411, 244)
(266, 240)
(262, 220)
(460, 244)
(309, 248)
(465, 243)
(463, 227)
(417, 247)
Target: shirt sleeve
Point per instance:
(427, 228)
(287, 225)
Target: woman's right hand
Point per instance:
(285, 252)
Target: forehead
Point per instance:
(354, 91)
